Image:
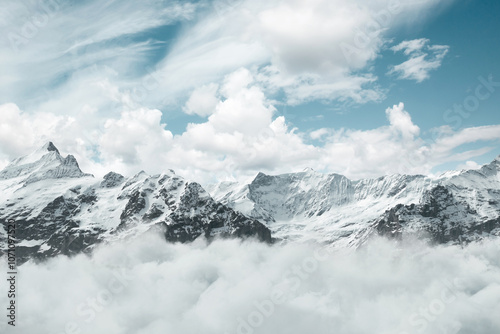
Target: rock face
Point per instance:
(461, 209)
(58, 209)
(452, 208)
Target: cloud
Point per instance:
(47, 43)
(149, 286)
(226, 64)
(413, 46)
(309, 50)
(423, 58)
(243, 136)
(135, 138)
(469, 165)
(401, 121)
(103, 62)
(241, 133)
(202, 101)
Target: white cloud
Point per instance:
(413, 46)
(423, 58)
(150, 286)
(469, 165)
(202, 101)
(136, 138)
(242, 137)
(302, 48)
(308, 49)
(49, 42)
(318, 134)
(401, 121)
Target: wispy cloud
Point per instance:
(297, 48)
(46, 44)
(423, 58)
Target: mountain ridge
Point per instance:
(59, 209)
(344, 211)
(62, 210)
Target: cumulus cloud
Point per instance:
(149, 286)
(469, 165)
(401, 121)
(423, 58)
(135, 138)
(242, 137)
(202, 101)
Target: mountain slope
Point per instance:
(61, 210)
(331, 208)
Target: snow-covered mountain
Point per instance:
(59, 209)
(331, 208)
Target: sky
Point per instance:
(220, 90)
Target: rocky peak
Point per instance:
(112, 180)
(50, 147)
(44, 163)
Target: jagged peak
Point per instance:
(111, 180)
(71, 160)
(49, 146)
(44, 163)
(260, 176)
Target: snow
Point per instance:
(308, 205)
(30, 243)
(304, 206)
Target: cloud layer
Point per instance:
(241, 136)
(148, 286)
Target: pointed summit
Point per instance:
(44, 163)
(50, 147)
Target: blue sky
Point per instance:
(223, 89)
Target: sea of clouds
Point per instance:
(148, 286)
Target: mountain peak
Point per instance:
(44, 163)
(50, 147)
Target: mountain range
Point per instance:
(455, 207)
(59, 209)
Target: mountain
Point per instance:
(330, 208)
(58, 209)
